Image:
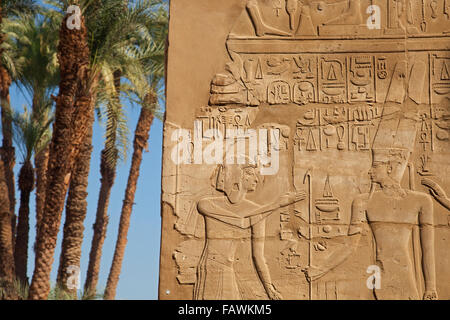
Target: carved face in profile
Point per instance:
(249, 179)
(380, 171)
(388, 165)
(236, 180)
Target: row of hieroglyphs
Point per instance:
(254, 79)
(343, 128)
(339, 128)
(354, 128)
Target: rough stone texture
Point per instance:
(358, 119)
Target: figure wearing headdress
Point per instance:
(393, 215)
(227, 217)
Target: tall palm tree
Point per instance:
(30, 133)
(103, 25)
(147, 96)
(108, 163)
(129, 25)
(44, 60)
(72, 118)
(76, 205)
(111, 30)
(9, 8)
(32, 40)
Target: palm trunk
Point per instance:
(100, 226)
(108, 175)
(8, 153)
(40, 159)
(76, 209)
(7, 272)
(26, 185)
(140, 140)
(7, 196)
(69, 131)
(40, 162)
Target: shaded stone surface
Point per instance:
(336, 187)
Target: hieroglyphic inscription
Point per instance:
(338, 128)
(364, 120)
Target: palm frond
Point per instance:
(31, 131)
(17, 7)
(130, 40)
(30, 54)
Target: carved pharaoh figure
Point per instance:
(401, 221)
(227, 218)
(393, 229)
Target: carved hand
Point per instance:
(300, 196)
(272, 292)
(435, 189)
(430, 295)
(291, 197)
(313, 273)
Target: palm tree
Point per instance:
(129, 25)
(30, 133)
(72, 118)
(105, 30)
(9, 8)
(32, 40)
(111, 31)
(147, 96)
(12, 7)
(108, 164)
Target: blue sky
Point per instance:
(139, 278)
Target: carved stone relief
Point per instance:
(319, 151)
